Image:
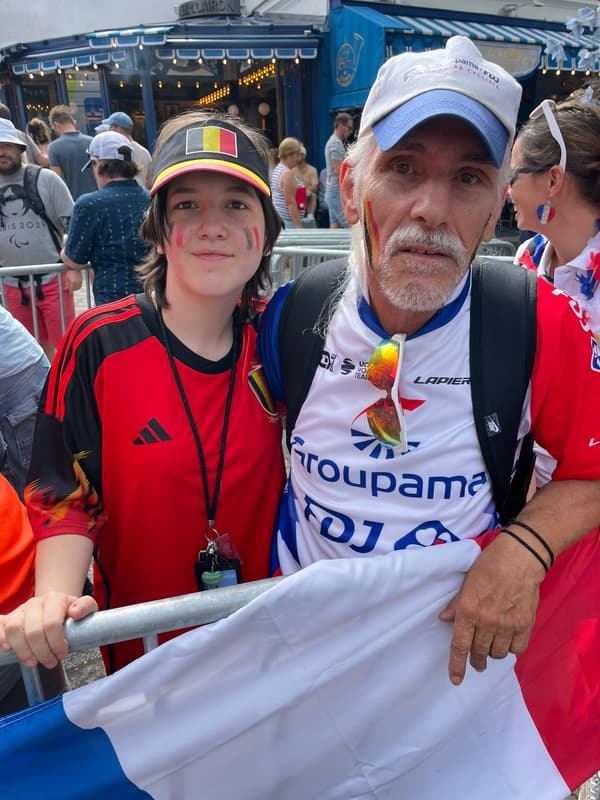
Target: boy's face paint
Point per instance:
(216, 235)
(372, 242)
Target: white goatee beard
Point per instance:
(417, 295)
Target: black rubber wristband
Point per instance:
(527, 547)
(540, 539)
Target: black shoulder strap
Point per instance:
(502, 350)
(300, 346)
(31, 177)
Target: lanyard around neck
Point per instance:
(211, 505)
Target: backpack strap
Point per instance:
(299, 343)
(31, 177)
(502, 350)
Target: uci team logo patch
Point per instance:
(260, 389)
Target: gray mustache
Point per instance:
(412, 235)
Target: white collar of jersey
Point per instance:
(439, 319)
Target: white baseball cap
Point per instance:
(457, 81)
(111, 145)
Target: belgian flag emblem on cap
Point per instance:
(211, 147)
(211, 140)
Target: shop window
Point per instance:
(85, 99)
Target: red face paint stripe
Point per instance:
(256, 238)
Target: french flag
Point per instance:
(333, 685)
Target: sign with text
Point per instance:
(209, 8)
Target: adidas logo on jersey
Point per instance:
(152, 433)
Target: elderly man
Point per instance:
(422, 187)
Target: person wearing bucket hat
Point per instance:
(157, 418)
(104, 229)
(374, 433)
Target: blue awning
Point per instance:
(482, 31)
(362, 38)
(130, 37)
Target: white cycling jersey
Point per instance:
(349, 495)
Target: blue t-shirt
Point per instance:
(104, 230)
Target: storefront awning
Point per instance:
(482, 31)
(130, 37)
(362, 38)
(257, 42)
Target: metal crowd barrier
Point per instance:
(287, 263)
(83, 297)
(146, 621)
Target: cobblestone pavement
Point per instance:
(84, 667)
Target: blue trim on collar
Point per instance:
(441, 317)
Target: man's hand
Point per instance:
(494, 611)
(34, 630)
(74, 280)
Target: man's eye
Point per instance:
(402, 167)
(469, 178)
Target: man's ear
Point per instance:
(347, 194)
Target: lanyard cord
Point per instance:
(211, 506)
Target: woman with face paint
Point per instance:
(555, 187)
(158, 447)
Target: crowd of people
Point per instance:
(163, 407)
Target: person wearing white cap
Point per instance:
(385, 453)
(104, 230)
(122, 123)
(160, 448)
(35, 208)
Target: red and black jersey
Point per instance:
(114, 457)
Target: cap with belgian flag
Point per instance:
(213, 146)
